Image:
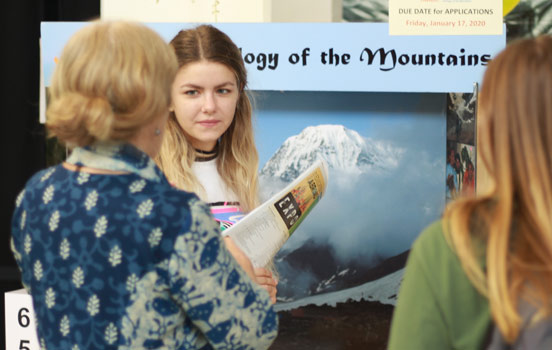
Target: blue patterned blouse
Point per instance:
(129, 262)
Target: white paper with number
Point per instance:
(20, 321)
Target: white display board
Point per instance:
(20, 321)
(245, 11)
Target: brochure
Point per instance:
(262, 232)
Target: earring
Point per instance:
(157, 132)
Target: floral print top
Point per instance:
(129, 262)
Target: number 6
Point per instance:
(23, 320)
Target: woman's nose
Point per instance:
(209, 104)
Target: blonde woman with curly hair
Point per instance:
(209, 146)
(113, 255)
(481, 278)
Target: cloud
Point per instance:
(381, 214)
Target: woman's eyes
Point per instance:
(221, 91)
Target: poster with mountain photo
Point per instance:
(384, 154)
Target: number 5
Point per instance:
(22, 344)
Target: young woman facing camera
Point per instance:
(209, 147)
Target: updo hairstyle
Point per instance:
(112, 78)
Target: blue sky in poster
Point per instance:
(408, 119)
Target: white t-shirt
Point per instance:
(223, 201)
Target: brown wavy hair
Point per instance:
(512, 218)
(238, 160)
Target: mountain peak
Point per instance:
(343, 149)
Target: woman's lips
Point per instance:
(208, 123)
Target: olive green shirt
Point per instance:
(438, 307)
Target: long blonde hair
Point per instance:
(238, 160)
(513, 218)
(112, 79)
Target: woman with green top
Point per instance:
(482, 276)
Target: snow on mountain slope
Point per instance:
(343, 149)
(383, 290)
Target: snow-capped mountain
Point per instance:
(315, 269)
(317, 262)
(384, 290)
(343, 149)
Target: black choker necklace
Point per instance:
(205, 156)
